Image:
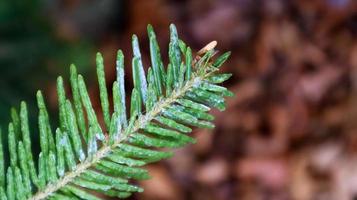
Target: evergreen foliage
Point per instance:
(81, 158)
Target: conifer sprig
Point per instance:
(81, 159)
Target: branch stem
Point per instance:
(106, 149)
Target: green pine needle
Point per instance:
(81, 159)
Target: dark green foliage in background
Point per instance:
(31, 53)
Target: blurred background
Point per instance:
(290, 133)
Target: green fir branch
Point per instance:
(81, 158)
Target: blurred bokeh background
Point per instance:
(289, 133)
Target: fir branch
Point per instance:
(163, 107)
